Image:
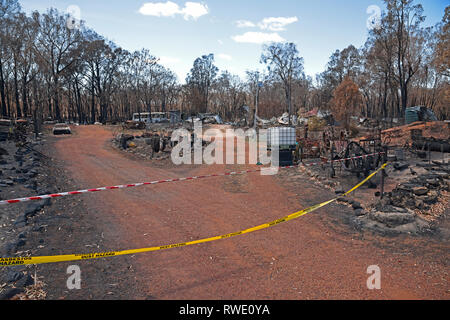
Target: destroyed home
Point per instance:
(212, 151)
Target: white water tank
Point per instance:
(281, 137)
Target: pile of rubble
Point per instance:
(422, 191)
(21, 174)
(413, 206)
(153, 145)
(148, 145)
(16, 130)
(408, 133)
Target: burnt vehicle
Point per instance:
(61, 128)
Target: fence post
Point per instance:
(429, 152)
(385, 149)
(332, 173)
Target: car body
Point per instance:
(156, 117)
(61, 128)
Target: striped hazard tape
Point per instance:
(63, 194)
(73, 257)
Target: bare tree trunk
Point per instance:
(56, 100)
(2, 90)
(92, 102)
(25, 98)
(16, 91)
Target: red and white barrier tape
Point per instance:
(63, 194)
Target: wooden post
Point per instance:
(332, 173)
(429, 152)
(383, 173)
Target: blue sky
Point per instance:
(179, 31)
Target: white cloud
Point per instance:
(270, 23)
(194, 10)
(276, 24)
(258, 37)
(224, 56)
(244, 24)
(220, 42)
(160, 9)
(191, 10)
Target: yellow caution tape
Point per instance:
(73, 257)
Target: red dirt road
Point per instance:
(312, 257)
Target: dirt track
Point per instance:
(314, 257)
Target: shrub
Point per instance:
(316, 124)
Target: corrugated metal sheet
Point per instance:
(412, 115)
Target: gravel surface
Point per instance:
(317, 256)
